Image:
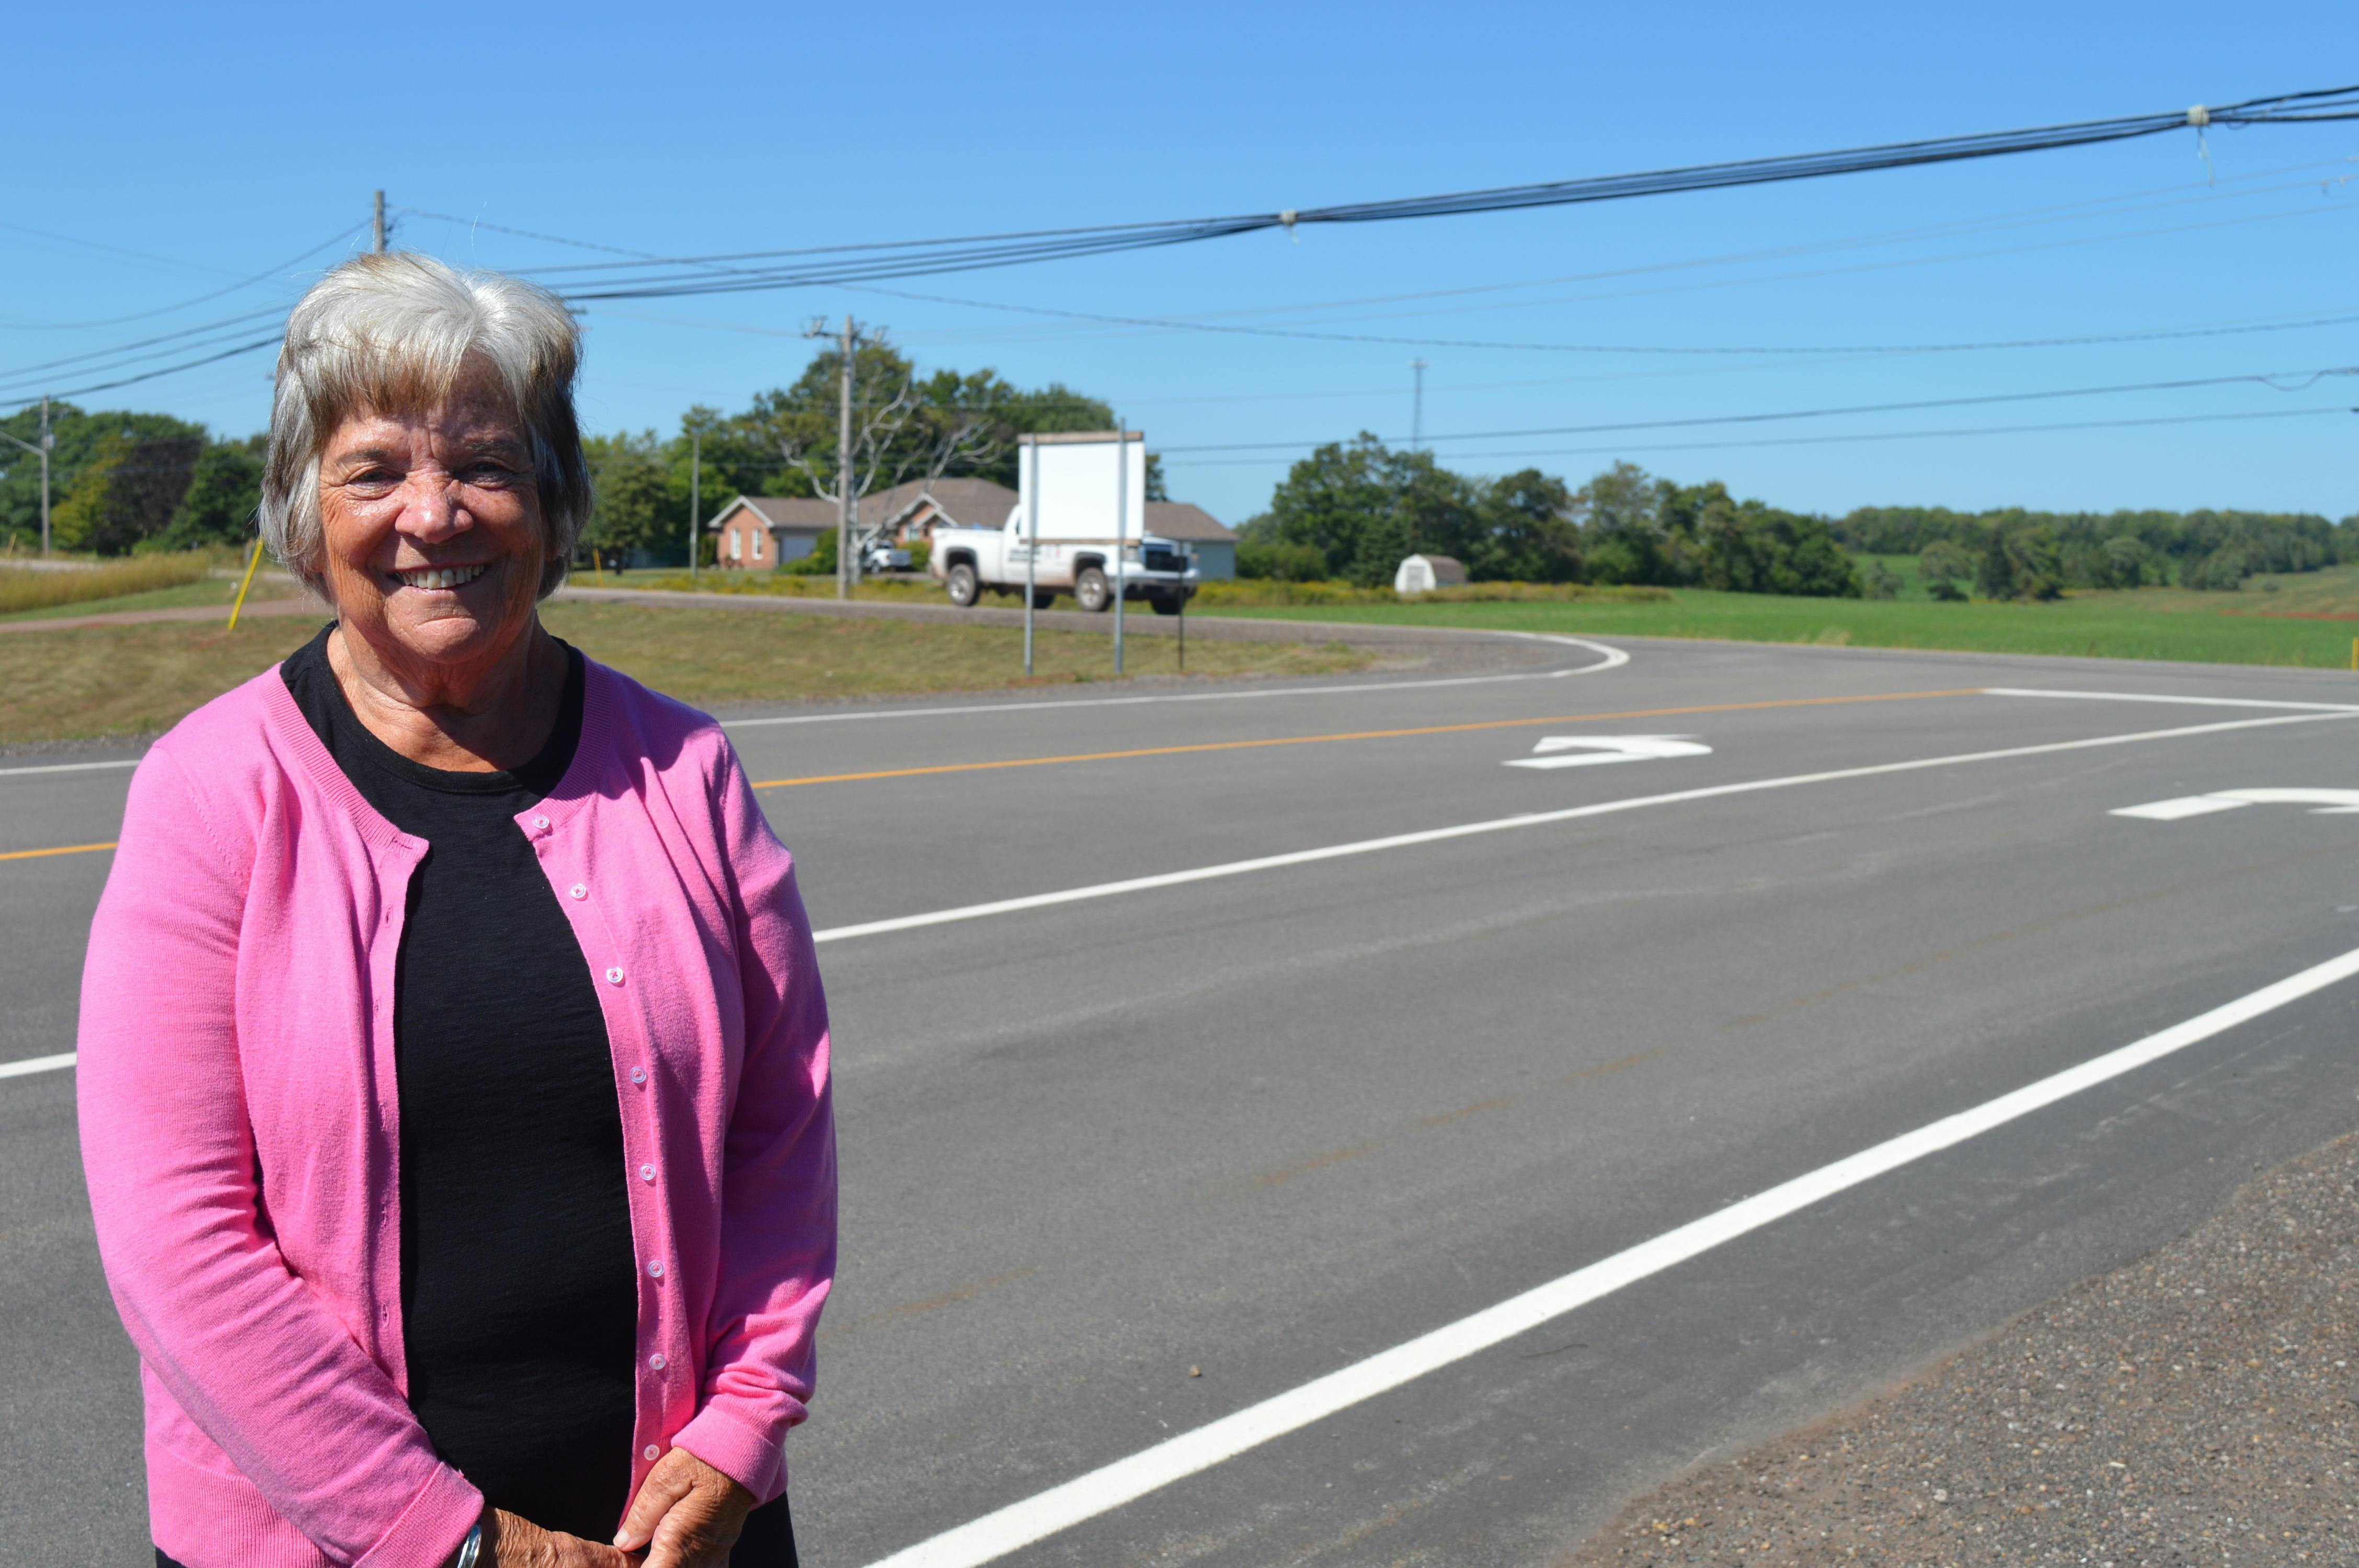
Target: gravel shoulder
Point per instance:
(2200, 1406)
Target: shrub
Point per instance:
(1280, 563)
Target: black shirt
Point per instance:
(520, 1291)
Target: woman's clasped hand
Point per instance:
(687, 1515)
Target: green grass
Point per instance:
(2261, 625)
(100, 680)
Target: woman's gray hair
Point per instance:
(392, 334)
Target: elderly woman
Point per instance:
(454, 1069)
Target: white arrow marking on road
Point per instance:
(2322, 802)
(1592, 751)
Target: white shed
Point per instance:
(1423, 574)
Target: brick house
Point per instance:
(759, 532)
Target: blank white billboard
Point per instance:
(1076, 478)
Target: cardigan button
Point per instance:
(655, 1270)
(651, 1452)
(647, 1173)
(658, 1361)
(541, 823)
(578, 891)
(614, 976)
(638, 1075)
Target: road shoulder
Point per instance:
(2203, 1403)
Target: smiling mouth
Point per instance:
(440, 577)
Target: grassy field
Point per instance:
(2307, 619)
(211, 591)
(23, 589)
(105, 680)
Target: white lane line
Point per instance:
(2149, 697)
(1103, 1490)
(1613, 659)
(69, 767)
(1524, 819)
(36, 1065)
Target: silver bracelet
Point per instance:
(471, 1548)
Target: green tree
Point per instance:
(1528, 531)
(633, 508)
(1333, 501)
(1942, 566)
(2124, 556)
(112, 516)
(1623, 535)
(2020, 562)
(225, 492)
(127, 491)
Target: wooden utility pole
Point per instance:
(846, 569)
(377, 225)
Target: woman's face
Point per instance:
(432, 530)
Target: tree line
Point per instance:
(122, 480)
(2012, 552)
(1353, 509)
(125, 480)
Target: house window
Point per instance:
(736, 547)
(757, 543)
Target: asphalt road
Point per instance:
(1117, 1167)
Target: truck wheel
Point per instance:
(964, 586)
(1090, 590)
(1167, 604)
(1043, 597)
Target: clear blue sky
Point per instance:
(158, 153)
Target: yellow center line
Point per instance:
(60, 850)
(1356, 735)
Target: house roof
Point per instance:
(1446, 569)
(974, 502)
(783, 514)
(1185, 520)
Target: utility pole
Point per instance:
(1416, 409)
(48, 441)
(1121, 528)
(846, 568)
(695, 500)
(377, 226)
(42, 451)
(1029, 448)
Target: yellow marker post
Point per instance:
(250, 565)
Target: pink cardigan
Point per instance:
(241, 1134)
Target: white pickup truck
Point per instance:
(1090, 534)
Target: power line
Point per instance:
(646, 276)
(1836, 440)
(265, 275)
(2270, 380)
(908, 258)
(2081, 340)
(271, 341)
